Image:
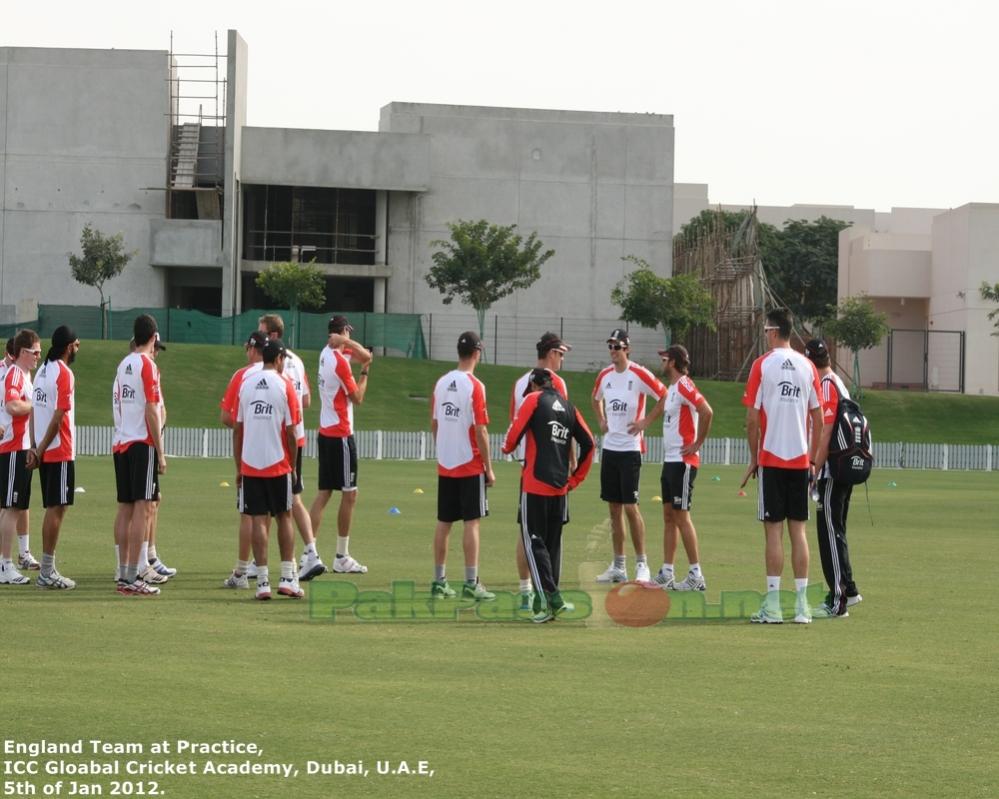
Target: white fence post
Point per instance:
(988, 458)
(423, 446)
(946, 451)
(204, 443)
(728, 451)
(378, 445)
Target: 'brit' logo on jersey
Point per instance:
(560, 433)
(262, 408)
(451, 411)
(40, 396)
(617, 406)
(127, 393)
(788, 390)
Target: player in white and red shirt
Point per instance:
(833, 505)
(16, 454)
(619, 396)
(54, 417)
(139, 459)
(338, 393)
(459, 422)
(311, 565)
(551, 355)
(783, 428)
(265, 448)
(229, 409)
(25, 560)
(686, 423)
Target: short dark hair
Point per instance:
(781, 319)
(24, 339)
(143, 329)
(10, 346)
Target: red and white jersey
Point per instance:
(784, 385)
(336, 384)
(230, 400)
(294, 370)
(624, 396)
(517, 399)
(267, 407)
(5, 364)
(680, 421)
(459, 404)
(16, 386)
(136, 383)
(832, 389)
(55, 385)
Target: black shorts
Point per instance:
(337, 463)
(15, 480)
(461, 498)
(620, 473)
(58, 481)
(783, 494)
(135, 474)
(565, 506)
(677, 484)
(264, 496)
(297, 487)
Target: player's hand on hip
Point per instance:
(490, 478)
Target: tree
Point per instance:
(103, 259)
(857, 326)
(294, 285)
(802, 264)
(991, 294)
(483, 263)
(677, 303)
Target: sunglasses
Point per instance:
(617, 346)
(34, 352)
(767, 328)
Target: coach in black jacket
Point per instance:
(550, 423)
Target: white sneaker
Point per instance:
(691, 583)
(236, 581)
(153, 577)
(665, 581)
(347, 565)
(27, 562)
(162, 568)
(290, 588)
(55, 581)
(802, 611)
(854, 600)
(251, 570)
(769, 613)
(9, 575)
(642, 573)
(310, 566)
(263, 589)
(613, 575)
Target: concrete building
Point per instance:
(100, 136)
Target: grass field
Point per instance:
(899, 700)
(195, 377)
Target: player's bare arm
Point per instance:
(598, 409)
(156, 434)
(753, 439)
(640, 425)
(482, 439)
(704, 416)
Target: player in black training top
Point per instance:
(550, 423)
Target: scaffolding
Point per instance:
(196, 116)
(727, 261)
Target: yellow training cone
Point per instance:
(223, 484)
(657, 499)
(417, 490)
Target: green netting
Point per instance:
(402, 334)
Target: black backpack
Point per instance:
(850, 457)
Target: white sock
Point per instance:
(242, 566)
(117, 556)
(667, 569)
(641, 559)
(439, 572)
(263, 575)
(525, 586)
(773, 583)
(471, 574)
(800, 584)
(287, 570)
(619, 561)
(342, 546)
(695, 569)
(22, 543)
(151, 552)
(143, 556)
(310, 549)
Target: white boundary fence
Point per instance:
(190, 442)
